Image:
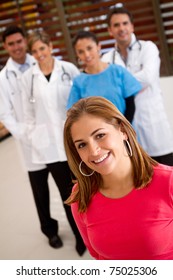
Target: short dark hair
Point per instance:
(118, 10)
(12, 29)
(82, 34)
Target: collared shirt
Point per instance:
(22, 67)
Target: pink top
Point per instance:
(138, 226)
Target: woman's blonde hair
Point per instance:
(37, 35)
(86, 187)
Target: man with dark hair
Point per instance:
(141, 58)
(12, 29)
(11, 115)
(14, 42)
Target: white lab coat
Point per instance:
(45, 118)
(11, 110)
(150, 119)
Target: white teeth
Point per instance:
(101, 159)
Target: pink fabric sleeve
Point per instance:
(171, 188)
(79, 219)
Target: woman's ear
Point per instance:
(51, 46)
(124, 134)
(99, 47)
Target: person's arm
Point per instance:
(74, 95)
(7, 112)
(130, 87)
(78, 217)
(150, 64)
(130, 108)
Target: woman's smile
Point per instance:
(101, 159)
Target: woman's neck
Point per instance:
(97, 68)
(47, 67)
(118, 184)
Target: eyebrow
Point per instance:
(123, 22)
(95, 131)
(18, 41)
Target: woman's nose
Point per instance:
(87, 53)
(94, 149)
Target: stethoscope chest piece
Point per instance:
(32, 100)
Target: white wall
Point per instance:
(167, 89)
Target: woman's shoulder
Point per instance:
(81, 78)
(33, 69)
(163, 172)
(66, 65)
(160, 168)
(116, 67)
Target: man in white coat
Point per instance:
(11, 115)
(141, 58)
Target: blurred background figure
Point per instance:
(46, 88)
(11, 109)
(99, 78)
(141, 58)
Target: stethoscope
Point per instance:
(7, 77)
(65, 77)
(130, 49)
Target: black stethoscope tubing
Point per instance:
(64, 77)
(7, 77)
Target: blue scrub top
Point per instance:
(114, 83)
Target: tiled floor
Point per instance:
(20, 236)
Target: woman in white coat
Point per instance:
(46, 89)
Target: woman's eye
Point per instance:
(100, 135)
(80, 52)
(89, 48)
(81, 145)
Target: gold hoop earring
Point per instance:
(80, 169)
(128, 148)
